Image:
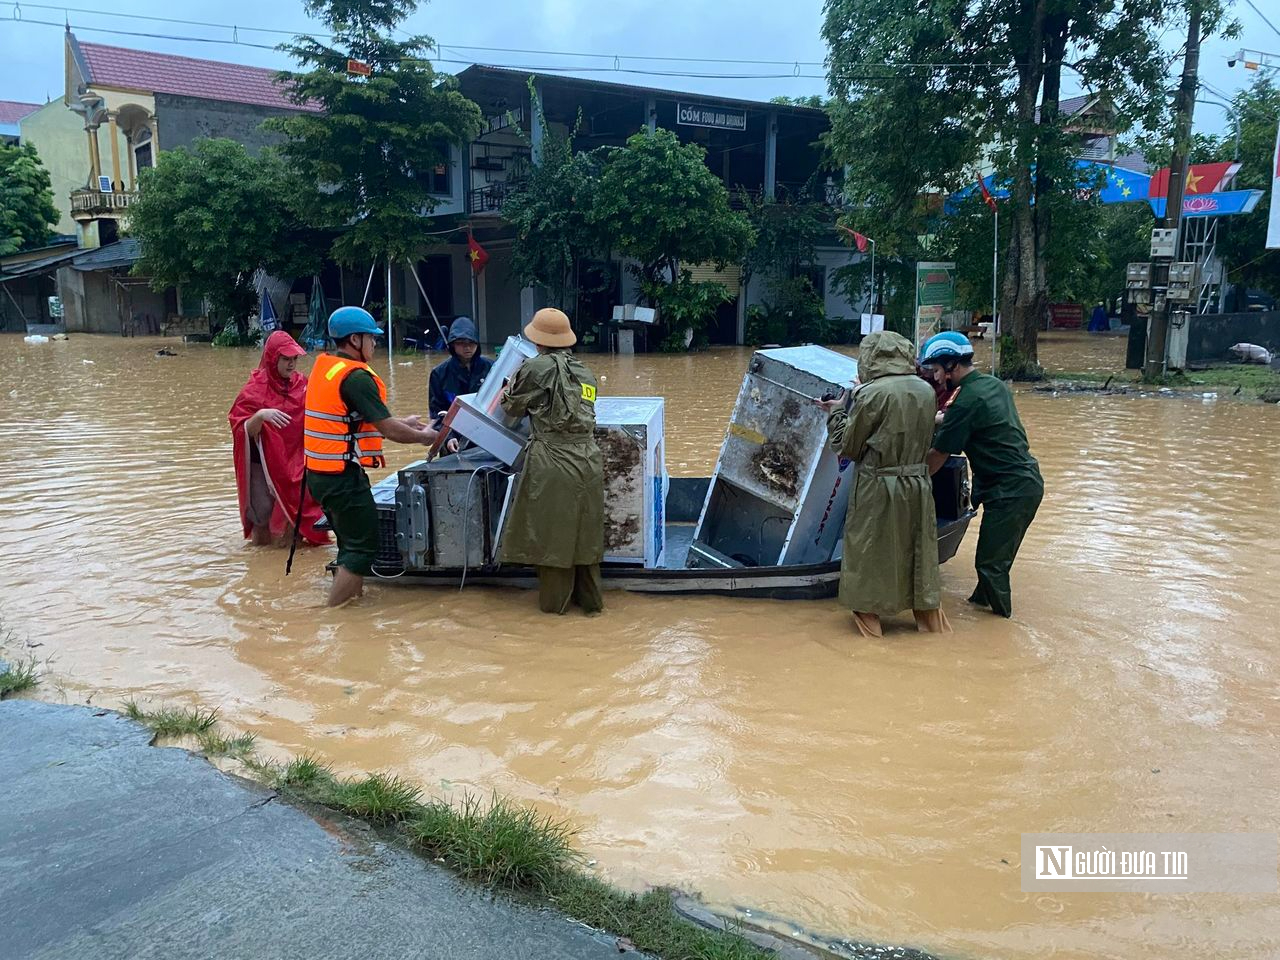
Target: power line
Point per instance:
(617, 59)
(531, 68)
(1273, 27)
(537, 68)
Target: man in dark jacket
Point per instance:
(463, 372)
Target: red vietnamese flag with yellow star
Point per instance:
(476, 254)
(1201, 178)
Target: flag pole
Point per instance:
(873, 279)
(995, 272)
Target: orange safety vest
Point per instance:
(332, 434)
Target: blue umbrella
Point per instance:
(267, 313)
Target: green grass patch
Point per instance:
(649, 920)
(20, 675)
(504, 845)
(379, 798)
(173, 721)
(497, 843)
(304, 773)
(213, 743)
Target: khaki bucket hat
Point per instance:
(550, 328)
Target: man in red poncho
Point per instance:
(266, 431)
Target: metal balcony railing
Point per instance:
(491, 197)
(98, 202)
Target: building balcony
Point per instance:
(825, 194)
(491, 197)
(87, 204)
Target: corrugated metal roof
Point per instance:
(183, 76)
(122, 253)
(43, 265)
(627, 89)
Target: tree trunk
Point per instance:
(1025, 296)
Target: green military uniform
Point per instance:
(557, 518)
(890, 560)
(346, 497)
(983, 423)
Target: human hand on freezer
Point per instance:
(832, 404)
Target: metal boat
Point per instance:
(685, 499)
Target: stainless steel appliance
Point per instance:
(779, 494)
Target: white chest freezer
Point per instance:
(778, 494)
(629, 431)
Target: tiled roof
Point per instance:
(182, 76)
(1133, 161)
(1073, 105)
(11, 111)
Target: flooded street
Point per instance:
(758, 752)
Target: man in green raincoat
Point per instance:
(890, 560)
(557, 520)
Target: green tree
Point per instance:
(982, 80)
(686, 306)
(26, 200)
(372, 144)
(1243, 240)
(553, 213)
(658, 203)
(786, 235)
(207, 218)
(1092, 245)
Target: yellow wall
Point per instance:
(57, 133)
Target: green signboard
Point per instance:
(935, 296)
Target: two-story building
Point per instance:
(118, 108)
(121, 106)
(760, 148)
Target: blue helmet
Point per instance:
(345, 321)
(948, 345)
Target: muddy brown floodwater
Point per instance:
(759, 752)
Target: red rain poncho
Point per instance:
(279, 450)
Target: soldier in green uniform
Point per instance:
(982, 422)
(557, 520)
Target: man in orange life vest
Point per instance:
(346, 419)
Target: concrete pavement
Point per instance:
(112, 849)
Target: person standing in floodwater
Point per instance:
(890, 557)
(464, 372)
(983, 424)
(557, 519)
(266, 439)
(346, 419)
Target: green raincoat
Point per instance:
(890, 559)
(557, 519)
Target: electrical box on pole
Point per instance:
(1165, 239)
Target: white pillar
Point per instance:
(651, 114)
(117, 183)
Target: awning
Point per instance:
(33, 268)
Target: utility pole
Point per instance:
(1184, 109)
